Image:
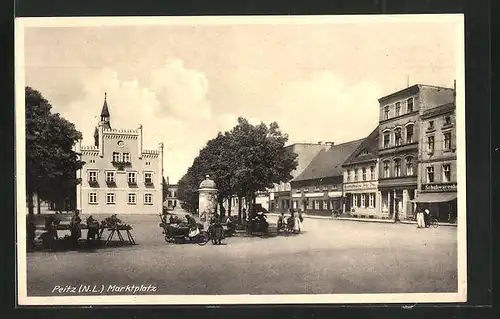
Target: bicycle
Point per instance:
(433, 222)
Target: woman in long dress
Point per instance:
(297, 224)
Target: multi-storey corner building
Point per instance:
(361, 194)
(437, 181)
(399, 129)
(318, 189)
(119, 176)
(279, 196)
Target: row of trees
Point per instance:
(247, 159)
(51, 163)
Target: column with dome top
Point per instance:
(207, 200)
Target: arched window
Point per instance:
(397, 167)
(387, 139)
(409, 133)
(386, 169)
(398, 140)
(409, 166)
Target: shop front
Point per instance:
(440, 200)
(362, 199)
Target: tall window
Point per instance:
(409, 105)
(93, 176)
(363, 200)
(371, 201)
(132, 178)
(148, 178)
(372, 171)
(92, 198)
(325, 204)
(431, 125)
(364, 173)
(397, 137)
(132, 198)
(116, 157)
(447, 120)
(397, 167)
(386, 169)
(409, 133)
(148, 199)
(386, 112)
(398, 108)
(349, 175)
(355, 200)
(447, 141)
(356, 175)
(430, 174)
(446, 173)
(316, 204)
(387, 140)
(126, 157)
(409, 166)
(110, 177)
(430, 144)
(110, 198)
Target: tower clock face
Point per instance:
(120, 143)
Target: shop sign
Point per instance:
(439, 187)
(355, 186)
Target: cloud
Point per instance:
(181, 92)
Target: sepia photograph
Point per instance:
(240, 160)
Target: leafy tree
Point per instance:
(261, 157)
(242, 161)
(51, 162)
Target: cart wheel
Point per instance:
(203, 238)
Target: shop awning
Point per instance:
(434, 198)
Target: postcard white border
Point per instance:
(412, 298)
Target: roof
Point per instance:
(105, 111)
(367, 150)
(328, 163)
(306, 153)
(413, 88)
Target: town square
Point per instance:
(232, 159)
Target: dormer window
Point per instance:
(364, 152)
(431, 125)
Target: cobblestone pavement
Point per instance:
(329, 256)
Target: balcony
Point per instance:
(111, 183)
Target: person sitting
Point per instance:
(192, 226)
(93, 228)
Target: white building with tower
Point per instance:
(119, 176)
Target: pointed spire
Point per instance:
(105, 111)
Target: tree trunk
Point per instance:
(239, 208)
(38, 208)
(30, 203)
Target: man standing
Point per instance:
(76, 231)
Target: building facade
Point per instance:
(280, 195)
(360, 186)
(119, 176)
(399, 132)
(171, 200)
(318, 189)
(437, 181)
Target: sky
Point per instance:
(186, 82)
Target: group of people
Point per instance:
(423, 218)
(293, 222)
